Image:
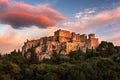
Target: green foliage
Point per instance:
(100, 64)
(76, 54)
(55, 57)
(96, 68)
(9, 69)
(106, 48)
(116, 58)
(117, 48)
(33, 56)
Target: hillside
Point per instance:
(103, 64)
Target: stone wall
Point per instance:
(91, 36)
(62, 33)
(73, 46)
(83, 37)
(92, 42)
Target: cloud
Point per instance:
(43, 32)
(71, 24)
(13, 39)
(105, 17)
(19, 19)
(105, 23)
(90, 18)
(112, 37)
(111, 34)
(117, 42)
(74, 26)
(8, 40)
(86, 12)
(19, 15)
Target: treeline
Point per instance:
(100, 64)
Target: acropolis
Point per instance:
(62, 42)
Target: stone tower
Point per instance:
(92, 42)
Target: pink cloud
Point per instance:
(13, 39)
(9, 40)
(89, 20)
(20, 15)
(117, 42)
(105, 17)
(20, 19)
(114, 37)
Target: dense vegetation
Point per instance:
(100, 64)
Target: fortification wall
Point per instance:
(62, 33)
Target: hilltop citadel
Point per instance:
(62, 43)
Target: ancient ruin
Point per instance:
(62, 43)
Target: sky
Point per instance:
(31, 19)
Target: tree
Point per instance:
(51, 76)
(55, 57)
(9, 69)
(76, 54)
(19, 52)
(88, 53)
(0, 55)
(33, 56)
(110, 49)
(106, 48)
(117, 48)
